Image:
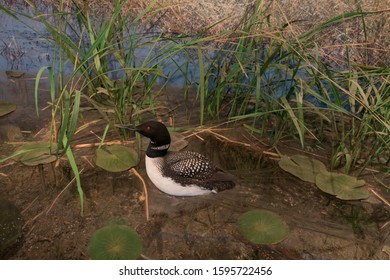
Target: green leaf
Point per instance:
(76, 173)
(14, 74)
(6, 108)
(115, 242)
(262, 227)
(116, 158)
(36, 153)
(342, 186)
(35, 158)
(302, 167)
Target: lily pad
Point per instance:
(303, 167)
(35, 158)
(116, 158)
(14, 73)
(115, 242)
(262, 227)
(342, 186)
(6, 108)
(35, 153)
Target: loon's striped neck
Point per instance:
(155, 150)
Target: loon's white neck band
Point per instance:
(163, 147)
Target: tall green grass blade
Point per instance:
(76, 173)
(336, 20)
(104, 135)
(202, 85)
(8, 12)
(294, 119)
(65, 113)
(36, 87)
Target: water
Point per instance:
(24, 46)
(321, 226)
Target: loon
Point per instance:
(183, 173)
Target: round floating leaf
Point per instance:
(115, 242)
(303, 167)
(262, 227)
(36, 153)
(342, 186)
(116, 158)
(6, 108)
(35, 158)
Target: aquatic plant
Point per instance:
(262, 227)
(267, 74)
(116, 241)
(116, 158)
(6, 108)
(91, 46)
(303, 167)
(311, 170)
(35, 154)
(342, 186)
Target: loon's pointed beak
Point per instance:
(126, 126)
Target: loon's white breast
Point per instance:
(167, 184)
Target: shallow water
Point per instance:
(24, 46)
(321, 226)
(20, 91)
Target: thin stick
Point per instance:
(145, 192)
(227, 139)
(24, 210)
(379, 196)
(90, 145)
(33, 219)
(88, 161)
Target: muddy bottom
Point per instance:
(321, 226)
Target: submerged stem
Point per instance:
(145, 192)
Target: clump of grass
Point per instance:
(109, 71)
(280, 82)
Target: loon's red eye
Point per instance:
(148, 127)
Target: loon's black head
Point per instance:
(157, 132)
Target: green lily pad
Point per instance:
(116, 158)
(262, 227)
(6, 108)
(115, 242)
(35, 153)
(35, 158)
(14, 73)
(342, 186)
(303, 167)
